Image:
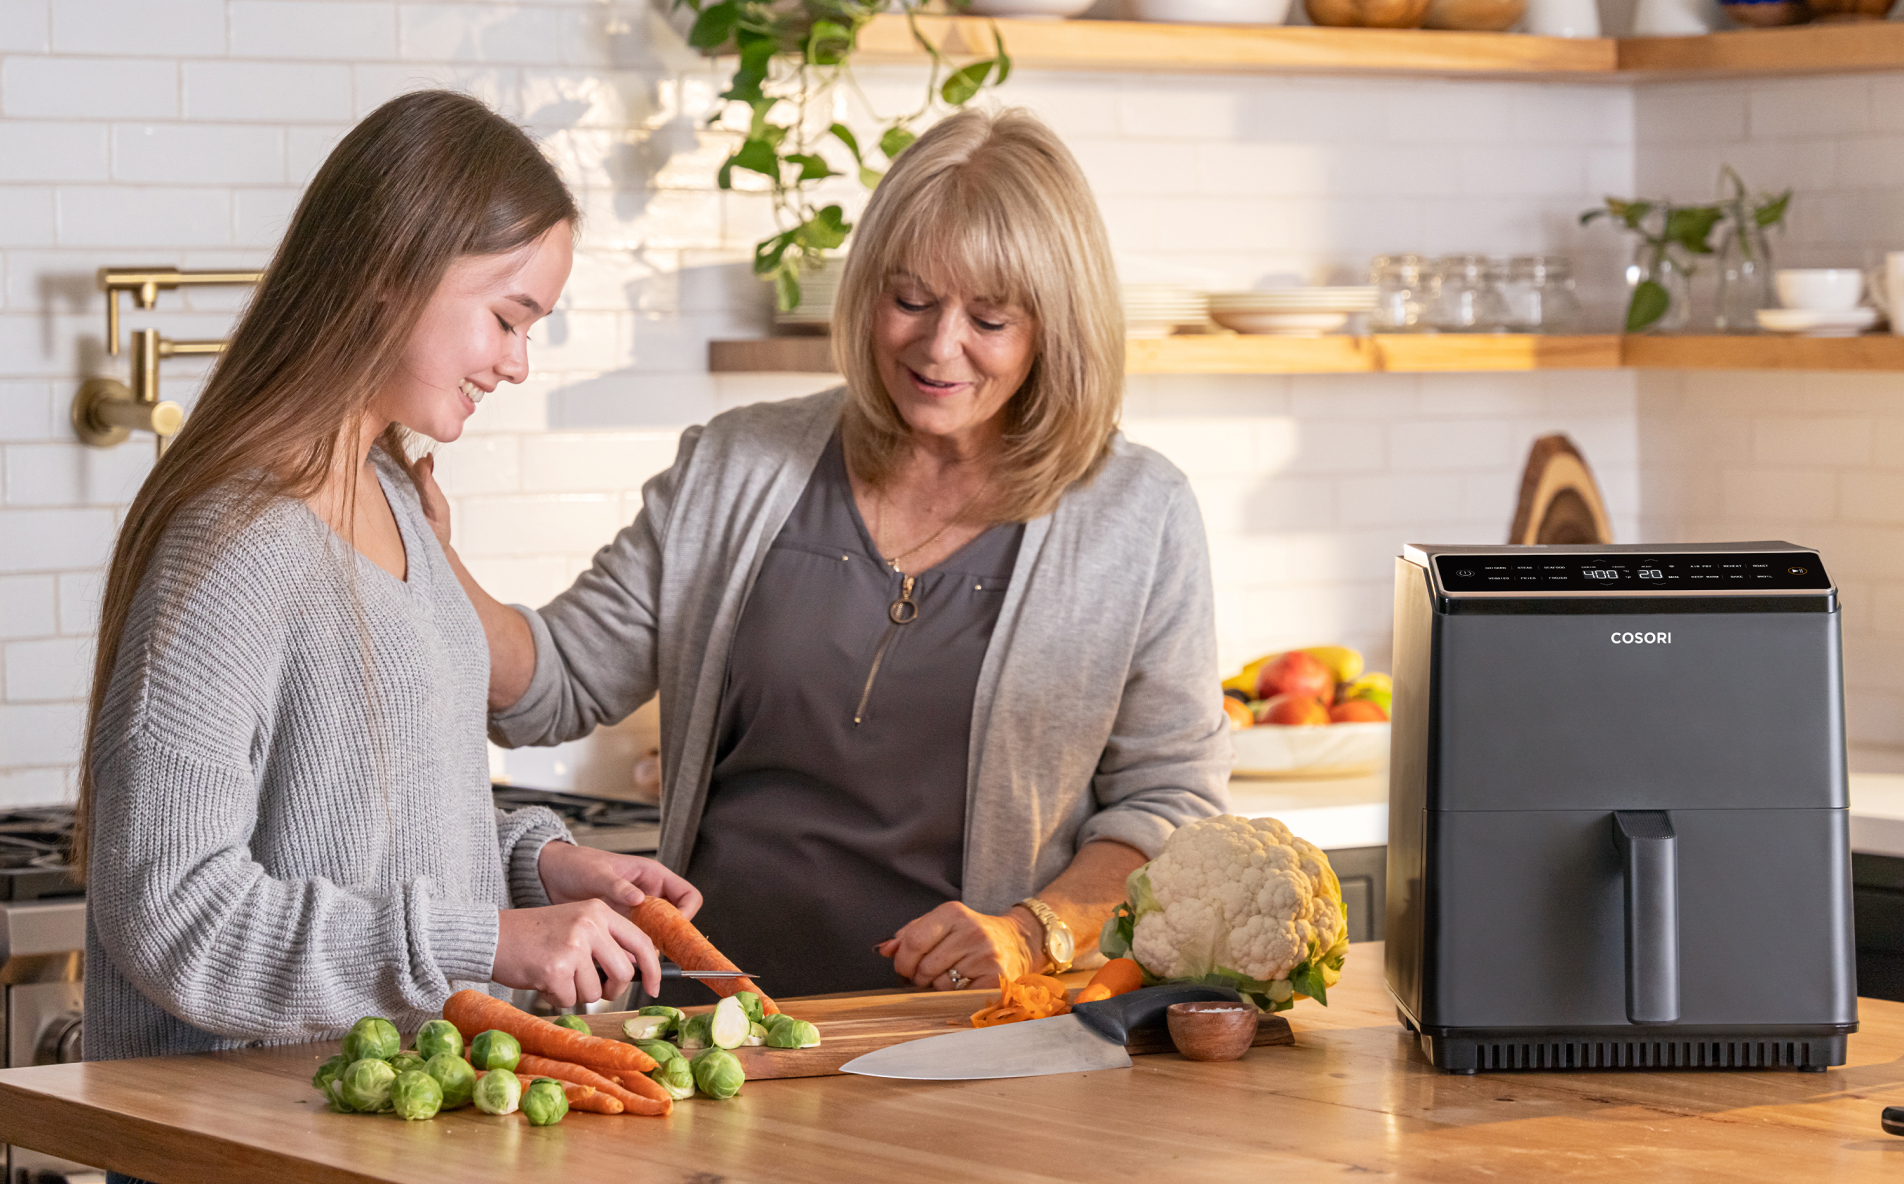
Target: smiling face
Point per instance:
(474, 334)
(950, 359)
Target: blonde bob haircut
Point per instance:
(994, 206)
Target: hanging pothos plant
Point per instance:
(793, 53)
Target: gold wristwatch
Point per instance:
(1059, 945)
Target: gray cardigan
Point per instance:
(1098, 714)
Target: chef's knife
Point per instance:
(1091, 1037)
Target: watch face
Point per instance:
(1060, 946)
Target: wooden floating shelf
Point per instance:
(1406, 354)
(1166, 48)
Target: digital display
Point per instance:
(1708, 572)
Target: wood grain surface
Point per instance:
(1352, 1097)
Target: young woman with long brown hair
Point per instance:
(285, 817)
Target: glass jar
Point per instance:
(1745, 275)
(1467, 295)
(1659, 290)
(1540, 295)
(1401, 293)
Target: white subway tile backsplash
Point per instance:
(1780, 495)
(52, 540)
(305, 148)
(72, 474)
(142, 216)
(149, 28)
(28, 606)
(287, 92)
(261, 216)
(35, 787)
(582, 462)
(533, 582)
(1809, 106)
(479, 464)
(80, 593)
(337, 29)
(197, 154)
(480, 33)
(32, 150)
(1816, 440)
(26, 216)
(88, 88)
(26, 408)
(48, 670)
(496, 527)
(41, 733)
(26, 26)
(1460, 445)
(375, 83)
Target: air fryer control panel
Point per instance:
(1705, 573)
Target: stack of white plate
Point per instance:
(1156, 310)
(1290, 312)
(818, 287)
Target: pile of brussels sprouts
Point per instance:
(698, 1056)
(375, 1074)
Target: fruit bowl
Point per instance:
(1337, 750)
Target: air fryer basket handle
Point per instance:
(1649, 848)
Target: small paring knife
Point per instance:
(670, 970)
(1091, 1037)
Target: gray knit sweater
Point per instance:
(293, 825)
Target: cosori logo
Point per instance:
(1642, 639)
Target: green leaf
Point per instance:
(1308, 980)
(770, 251)
(1003, 59)
(870, 177)
(1691, 227)
(786, 289)
(1772, 212)
(1590, 215)
(965, 82)
(812, 168)
(895, 140)
(755, 156)
(1649, 303)
(1114, 941)
(1629, 212)
(828, 43)
(845, 135)
(715, 25)
(756, 52)
(824, 231)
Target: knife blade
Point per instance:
(670, 970)
(1091, 1037)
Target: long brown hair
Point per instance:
(998, 203)
(426, 179)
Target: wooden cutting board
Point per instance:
(855, 1025)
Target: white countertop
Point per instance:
(1335, 814)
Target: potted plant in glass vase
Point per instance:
(1660, 276)
(1745, 254)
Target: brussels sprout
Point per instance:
(730, 1025)
(373, 1039)
(334, 1093)
(791, 1033)
(407, 1061)
(498, 1092)
(545, 1103)
(647, 1027)
(367, 1085)
(674, 1014)
(756, 1035)
(573, 1023)
(750, 1003)
(718, 1073)
(660, 1050)
(677, 1077)
(694, 1033)
(439, 1036)
(495, 1050)
(330, 1069)
(415, 1096)
(456, 1077)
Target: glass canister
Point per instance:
(1540, 296)
(1468, 295)
(1401, 293)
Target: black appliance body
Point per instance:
(1618, 822)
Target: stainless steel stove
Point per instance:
(632, 828)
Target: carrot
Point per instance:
(580, 1097)
(635, 1101)
(473, 1012)
(1116, 977)
(677, 938)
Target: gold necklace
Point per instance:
(893, 560)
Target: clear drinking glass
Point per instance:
(1468, 295)
(1540, 295)
(1401, 293)
(1745, 276)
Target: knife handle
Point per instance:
(1115, 1018)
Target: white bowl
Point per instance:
(1280, 324)
(1210, 12)
(1342, 750)
(1033, 9)
(1814, 322)
(1819, 289)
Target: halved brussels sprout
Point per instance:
(791, 1033)
(750, 1003)
(756, 1035)
(730, 1025)
(694, 1033)
(647, 1027)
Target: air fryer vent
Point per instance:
(1645, 1054)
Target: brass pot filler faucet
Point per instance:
(106, 411)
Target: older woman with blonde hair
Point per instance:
(935, 651)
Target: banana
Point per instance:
(1344, 662)
(1245, 680)
(1376, 688)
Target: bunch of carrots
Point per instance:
(602, 1076)
(1039, 996)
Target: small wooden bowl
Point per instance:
(1367, 14)
(1484, 16)
(1215, 1031)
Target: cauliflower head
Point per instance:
(1242, 900)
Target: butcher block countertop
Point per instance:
(1351, 1096)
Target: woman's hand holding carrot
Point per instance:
(558, 948)
(571, 873)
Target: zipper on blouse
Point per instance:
(903, 611)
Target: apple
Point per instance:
(1296, 673)
(1357, 711)
(1302, 711)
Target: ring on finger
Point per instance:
(958, 980)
